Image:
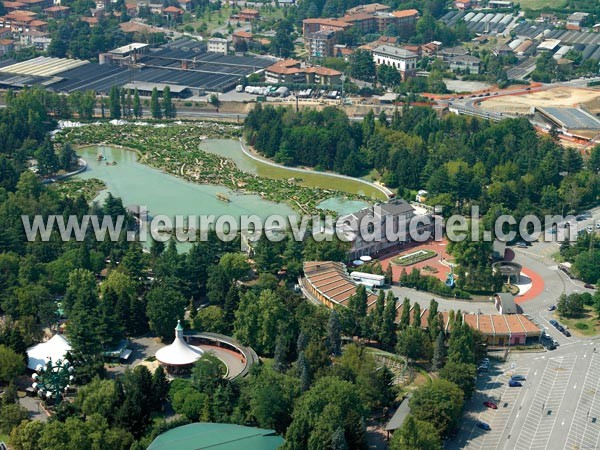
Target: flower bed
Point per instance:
(413, 258)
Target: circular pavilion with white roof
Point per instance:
(179, 356)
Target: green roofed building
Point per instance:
(217, 436)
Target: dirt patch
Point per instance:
(587, 98)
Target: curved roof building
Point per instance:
(179, 353)
(217, 436)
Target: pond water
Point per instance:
(232, 149)
(162, 193)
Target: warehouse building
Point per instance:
(182, 63)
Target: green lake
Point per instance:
(232, 149)
(164, 193)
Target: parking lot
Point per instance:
(543, 409)
(558, 406)
(506, 398)
(585, 428)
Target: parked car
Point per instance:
(566, 332)
(521, 244)
(491, 405)
(518, 378)
(560, 328)
(484, 426)
(482, 369)
(551, 346)
(514, 383)
(554, 323)
(551, 308)
(588, 286)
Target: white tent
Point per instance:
(179, 353)
(55, 348)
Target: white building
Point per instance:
(218, 45)
(401, 59)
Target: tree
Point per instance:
(137, 105)
(387, 334)
(413, 343)
(439, 351)
(461, 374)
(416, 435)
(357, 306)
(272, 397)
(334, 337)
(362, 66)
(212, 319)
(439, 403)
(282, 44)
(167, 104)
(405, 315)
(26, 435)
(47, 161)
(99, 397)
(114, 103)
(164, 307)
(328, 405)
(155, 105)
(214, 100)
(11, 364)
(160, 387)
(11, 416)
(66, 157)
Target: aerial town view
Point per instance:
(299, 224)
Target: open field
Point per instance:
(557, 97)
(539, 4)
(588, 325)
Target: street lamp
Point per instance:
(52, 381)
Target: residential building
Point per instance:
(132, 10)
(172, 13)
(14, 6)
(186, 5)
(57, 11)
(462, 5)
(500, 4)
(320, 44)
(289, 71)
(314, 25)
(92, 21)
(364, 22)
(576, 21)
(370, 8)
(323, 76)
(450, 52)
(401, 59)
(6, 46)
(241, 36)
(218, 45)
(596, 28)
(406, 17)
(248, 15)
(464, 64)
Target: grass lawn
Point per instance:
(4, 438)
(588, 325)
(539, 4)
